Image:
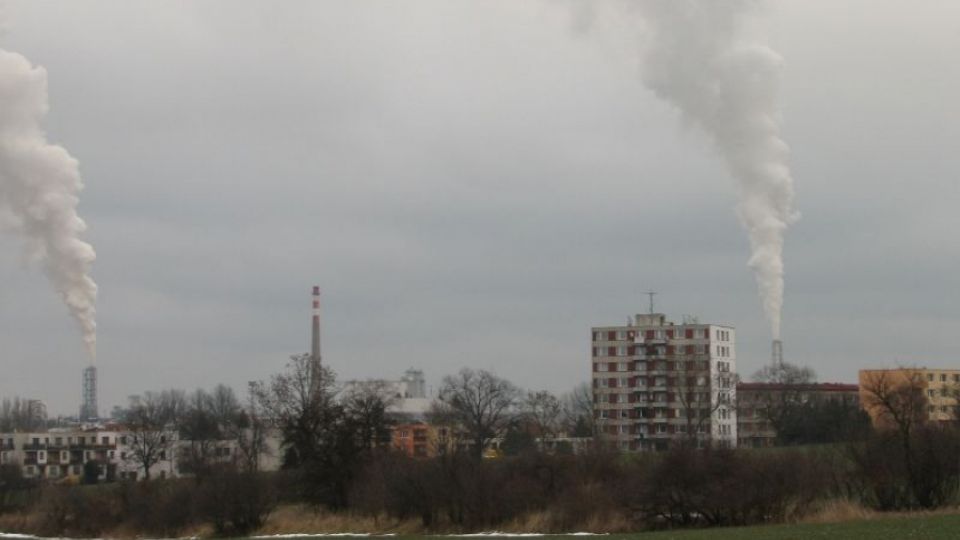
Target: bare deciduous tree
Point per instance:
(478, 402)
(579, 416)
(366, 404)
(791, 383)
(542, 411)
(150, 420)
(702, 395)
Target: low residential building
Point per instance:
(415, 440)
(655, 382)
(756, 401)
(63, 455)
(939, 387)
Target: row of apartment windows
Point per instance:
(625, 382)
(58, 441)
(942, 392)
(943, 377)
(663, 365)
(723, 351)
(626, 429)
(690, 398)
(723, 335)
(655, 413)
(667, 333)
(661, 351)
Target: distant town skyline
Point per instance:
(470, 184)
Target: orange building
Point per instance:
(939, 389)
(415, 440)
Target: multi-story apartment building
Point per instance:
(655, 382)
(941, 387)
(757, 402)
(62, 454)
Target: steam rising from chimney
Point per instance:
(39, 187)
(698, 61)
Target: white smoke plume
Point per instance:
(698, 60)
(39, 187)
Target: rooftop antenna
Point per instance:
(651, 294)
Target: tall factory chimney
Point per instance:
(315, 344)
(88, 409)
(777, 358)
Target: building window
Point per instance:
(929, 377)
(622, 366)
(621, 335)
(602, 366)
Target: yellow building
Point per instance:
(939, 389)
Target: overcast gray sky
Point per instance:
(471, 184)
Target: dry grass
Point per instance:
(18, 523)
(293, 519)
(838, 510)
(609, 523)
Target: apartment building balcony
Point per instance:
(34, 446)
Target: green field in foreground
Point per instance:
(893, 528)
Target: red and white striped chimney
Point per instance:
(315, 346)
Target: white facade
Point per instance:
(60, 455)
(655, 381)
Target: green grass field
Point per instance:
(893, 528)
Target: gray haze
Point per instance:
(471, 183)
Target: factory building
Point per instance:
(406, 397)
(656, 383)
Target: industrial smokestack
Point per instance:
(39, 189)
(88, 410)
(700, 61)
(315, 341)
(315, 345)
(777, 356)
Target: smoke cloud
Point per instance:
(39, 187)
(698, 60)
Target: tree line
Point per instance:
(336, 455)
